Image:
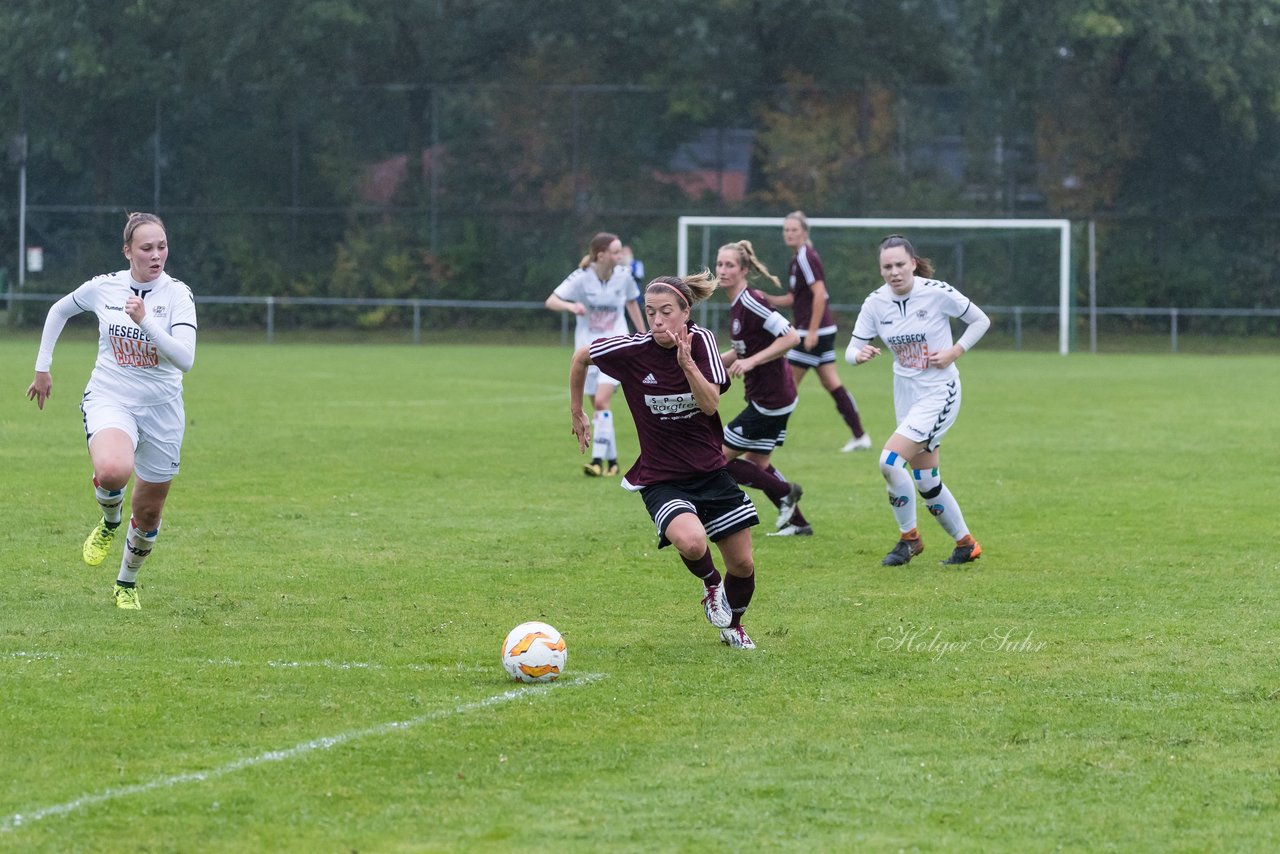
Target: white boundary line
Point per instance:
(17, 820)
(25, 657)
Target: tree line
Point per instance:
(469, 149)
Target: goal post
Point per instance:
(1061, 226)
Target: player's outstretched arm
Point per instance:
(581, 424)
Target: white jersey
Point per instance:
(915, 325)
(606, 302)
(129, 367)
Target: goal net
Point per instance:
(1017, 270)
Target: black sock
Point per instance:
(738, 591)
(749, 474)
(704, 568)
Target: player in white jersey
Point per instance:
(132, 406)
(599, 292)
(911, 313)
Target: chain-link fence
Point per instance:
(492, 192)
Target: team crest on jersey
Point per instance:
(158, 311)
(922, 314)
(737, 326)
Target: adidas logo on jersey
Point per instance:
(650, 379)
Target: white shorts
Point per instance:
(925, 412)
(595, 376)
(155, 431)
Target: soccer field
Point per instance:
(356, 528)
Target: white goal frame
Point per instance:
(1062, 226)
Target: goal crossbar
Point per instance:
(1063, 227)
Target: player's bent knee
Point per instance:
(890, 463)
(688, 536)
(112, 475)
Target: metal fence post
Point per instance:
(417, 322)
(271, 319)
(1173, 329)
(1017, 327)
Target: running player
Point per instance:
(672, 379)
(809, 298)
(760, 337)
(597, 292)
(133, 412)
(910, 312)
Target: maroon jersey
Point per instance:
(806, 268)
(677, 440)
(754, 325)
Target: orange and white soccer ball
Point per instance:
(534, 652)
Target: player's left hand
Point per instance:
(684, 347)
(135, 308)
(740, 367)
(943, 358)
(810, 340)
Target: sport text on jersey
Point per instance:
(131, 347)
(912, 350)
(671, 406)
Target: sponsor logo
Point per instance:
(671, 404)
(935, 509)
(899, 500)
(114, 307)
(649, 380)
(118, 330)
(913, 338)
(132, 353)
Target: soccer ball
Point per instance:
(534, 652)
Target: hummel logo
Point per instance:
(650, 380)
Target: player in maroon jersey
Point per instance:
(809, 299)
(672, 379)
(760, 337)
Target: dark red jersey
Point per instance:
(677, 440)
(806, 268)
(754, 325)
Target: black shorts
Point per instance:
(823, 354)
(720, 504)
(754, 431)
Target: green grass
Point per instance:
(356, 528)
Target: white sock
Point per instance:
(902, 495)
(136, 548)
(602, 444)
(110, 500)
(940, 502)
